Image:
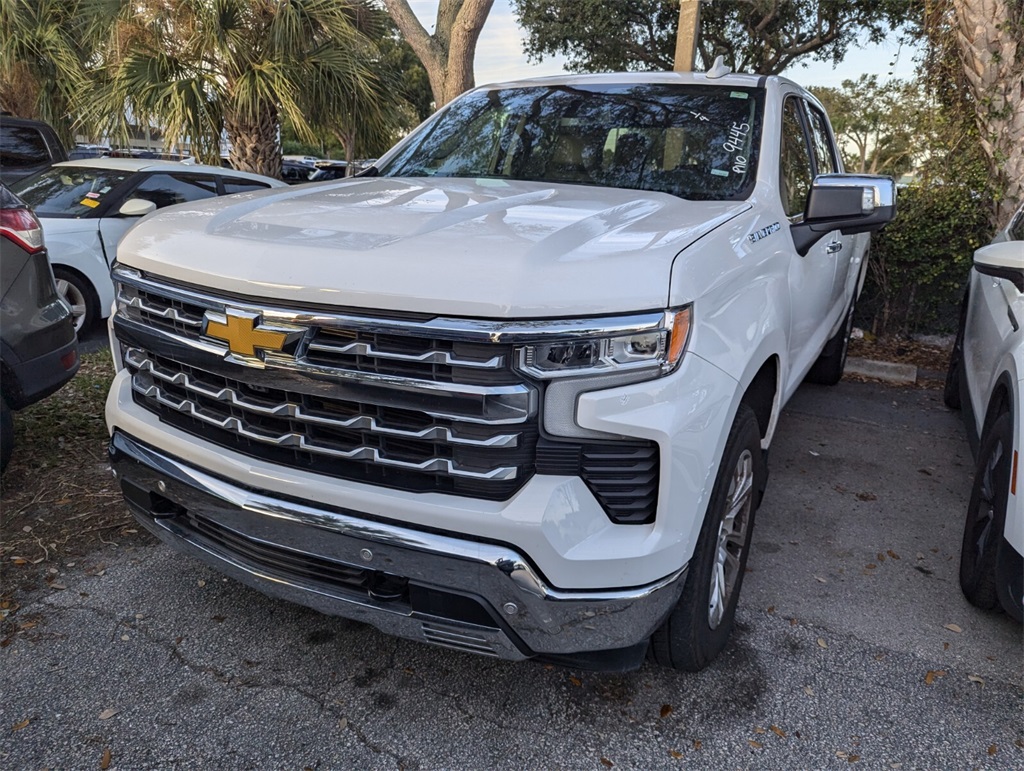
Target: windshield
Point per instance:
(696, 142)
(68, 191)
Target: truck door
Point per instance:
(847, 251)
(811, 277)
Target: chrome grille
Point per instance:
(386, 403)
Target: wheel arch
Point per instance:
(761, 395)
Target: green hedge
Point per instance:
(920, 263)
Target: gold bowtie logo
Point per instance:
(244, 333)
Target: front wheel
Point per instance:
(986, 515)
(699, 626)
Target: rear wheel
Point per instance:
(79, 294)
(986, 515)
(699, 626)
(828, 369)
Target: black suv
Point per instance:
(37, 339)
(27, 146)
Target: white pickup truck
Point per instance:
(511, 390)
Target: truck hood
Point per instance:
(483, 248)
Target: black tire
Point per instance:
(954, 372)
(6, 434)
(828, 369)
(986, 515)
(80, 295)
(698, 628)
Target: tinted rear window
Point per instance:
(696, 142)
(22, 146)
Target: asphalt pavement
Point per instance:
(854, 647)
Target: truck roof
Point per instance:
(744, 79)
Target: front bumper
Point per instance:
(479, 597)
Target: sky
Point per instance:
(499, 54)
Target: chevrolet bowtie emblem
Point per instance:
(244, 333)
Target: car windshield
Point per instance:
(696, 142)
(68, 191)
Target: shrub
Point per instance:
(920, 263)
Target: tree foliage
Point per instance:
(197, 67)
(763, 36)
(882, 128)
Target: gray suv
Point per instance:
(37, 339)
(27, 146)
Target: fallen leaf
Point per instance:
(606, 762)
(841, 754)
(932, 674)
(758, 730)
(934, 551)
(778, 731)
(19, 561)
(792, 622)
(815, 454)
(218, 619)
(697, 744)
(920, 556)
(992, 749)
(879, 657)
(575, 681)
(771, 609)
(343, 723)
(200, 583)
(756, 745)
(822, 643)
(880, 557)
(105, 760)
(953, 628)
(945, 646)
(20, 725)
(871, 566)
(975, 679)
(867, 497)
(666, 710)
(808, 690)
(1019, 743)
(28, 625)
(852, 758)
(676, 754)
(924, 471)
(821, 580)
(108, 713)
(922, 569)
(894, 555)
(125, 637)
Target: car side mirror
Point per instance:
(136, 207)
(849, 203)
(1002, 260)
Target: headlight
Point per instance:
(657, 347)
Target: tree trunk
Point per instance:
(990, 38)
(254, 142)
(448, 54)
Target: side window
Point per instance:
(795, 161)
(824, 152)
(233, 185)
(22, 146)
(167, 189)
(1016, 229)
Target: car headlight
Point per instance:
(657, 348)
(596, 359)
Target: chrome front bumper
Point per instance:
(478, 597)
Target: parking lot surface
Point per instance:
(854, 647)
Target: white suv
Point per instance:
(511, 390)
(985, 377)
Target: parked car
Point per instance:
(296, 172)
(86, 206)
(512, 392)
(326, 170)
(986, 380)
(37, 337)
(26, 147)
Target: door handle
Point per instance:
(833, 246)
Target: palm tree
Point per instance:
(45, 46)
(197, 67)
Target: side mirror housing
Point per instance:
(1002, 260)
(136, 207)
(849, 203)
